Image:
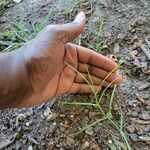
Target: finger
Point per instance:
(92, 58)
(70, 31)
(100, 73)
(95, 80)
(83, 88)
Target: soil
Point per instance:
(125, 23)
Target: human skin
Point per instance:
(37, 72)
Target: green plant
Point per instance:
(19, 33)
(2, 5)
(99, 45)
(123, 140)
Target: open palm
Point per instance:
(51, 61)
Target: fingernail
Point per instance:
(79, 17)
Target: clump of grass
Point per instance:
(3, 3)
(19, 33)
(115, 142)
(97, 34)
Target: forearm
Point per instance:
(14, 84)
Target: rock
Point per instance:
(140, 132)
(3, 19)
(85, 145)
(116, 48)
(21, 117)
(86, 110)
(144, 115)
(96, 129)
(17, 146)
(134, 137)
(92, 114)
(139, 121)
(30, 147)
(62, 129)
(62, 115)
(17, 1)
(70, 140)
(140, 97)
(133, 103)
(72, 116)
(66, 124)
(51, 145)
(89, 131)
(4, 143)
(148, 107)
(130, 128)
(47, 111)
(147, 129)
(134, 113)
(52, 116)
(32, 140)
(144, 86)
(95, 147)
(27, 124)
(52, 127)
(144, 138)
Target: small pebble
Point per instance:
(116, 48)
(144, 138)
(140, 132)
(85, 145)
(51, 145)
(17, 1)
(3, 19)
(144, 115)
(96, 129)
(62, 115)
(30, 147)
(134, 137)
(71, 116)
(144, 86)
(70, 140)
(62, 129)
(86, 110)
(52, 127)
(132, 103)
(21, 117)
(134, 113)
(32, 140)
(89, 131)
(52, 116)
(27, 124)
(47, 112)
(95, 147)
(130, 128)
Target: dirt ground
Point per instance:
(126, 24)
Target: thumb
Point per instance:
(70, 31)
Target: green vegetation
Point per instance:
(99, 44)
(2, 6)
(115, 142)
(19, 33)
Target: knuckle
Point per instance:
(51, 28)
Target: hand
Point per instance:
(46, 56)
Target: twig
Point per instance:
(146, 52)
(148, 43)
(7, 142)
(139, 121)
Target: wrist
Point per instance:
(14, 84)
